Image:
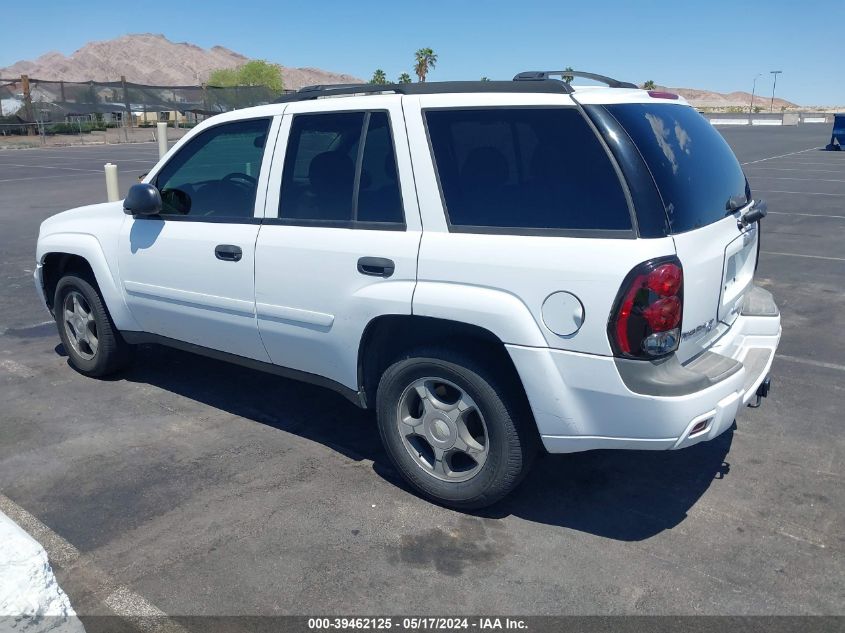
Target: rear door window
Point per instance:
(525, 169)
(340, 170)
(694, 168)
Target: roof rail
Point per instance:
(542, 85)
(540, 75)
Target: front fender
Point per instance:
(88, 247)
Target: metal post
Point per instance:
(753, 89)
(162, 138)
(27, 104)
(774, 85)
(112, 190)
(126, 103)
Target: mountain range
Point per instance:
(153, 59)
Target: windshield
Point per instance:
(694, 167)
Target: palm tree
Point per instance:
(404, 78)
(568, 78)
(379, 77)
(485, 79)
(649, 85)
(426, 60)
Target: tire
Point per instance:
(492, 414)
(111, 352)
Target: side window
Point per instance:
(379, 198)
(333, 178)
(216, 174)
(525, 168)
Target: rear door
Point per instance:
(339, 243)
(697, 173)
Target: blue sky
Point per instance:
(716, 45)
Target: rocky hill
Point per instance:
(709, 99)
(153, 59)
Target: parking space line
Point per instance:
(809, 215)
(800, 193)
(826, 171)
(804, 179)
(45, 167)
(835, 259)
(809, 149)
(122, 171)
(122, 601)
(810, 361)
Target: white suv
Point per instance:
(491, 266)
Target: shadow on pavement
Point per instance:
(622, 495)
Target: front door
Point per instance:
(188, 274)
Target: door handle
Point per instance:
(228, 252)
(376, 266)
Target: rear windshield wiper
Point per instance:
(756, 213)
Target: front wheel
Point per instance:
(93, 344)
(453, 429)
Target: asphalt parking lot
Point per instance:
(189, 486)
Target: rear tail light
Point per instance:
(646, 317)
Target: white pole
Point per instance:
(162, 139)
(112, 190)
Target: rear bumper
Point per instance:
(582, 402)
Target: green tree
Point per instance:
(568, 78)
(404, 78)
(485, 79)
(426, 61)
(256, 72)
(649, 85)
(379, 77)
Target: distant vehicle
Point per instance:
(837, 137)
(492, 266)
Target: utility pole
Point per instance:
(753, 88)
(774, 85)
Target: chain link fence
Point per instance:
(31, 106)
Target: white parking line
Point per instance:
(826, 171)
(805, 179)
(835, 259)
(122, 171)
(809, 361)
(800, 193)
(121, 600)
(809, 149)
(44, 167)
(808, 215)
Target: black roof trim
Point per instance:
(544, 75)
(549, 86)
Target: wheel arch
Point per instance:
(59, 254)
(386, 338)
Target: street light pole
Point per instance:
(774, 85)
(753, 88)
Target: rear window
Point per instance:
(524, 169)
(694, 167)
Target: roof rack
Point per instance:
(550, 86)
(542, 75)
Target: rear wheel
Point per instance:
(93, 344)
(453, 429)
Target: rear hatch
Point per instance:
(697, 174)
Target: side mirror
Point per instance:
(142, 199)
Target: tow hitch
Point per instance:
(762, 392)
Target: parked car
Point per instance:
(493, 267)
